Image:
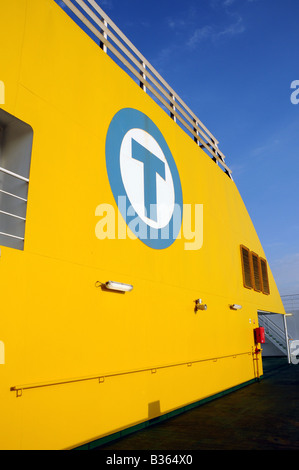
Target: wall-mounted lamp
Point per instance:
(236, 307)
(199, 305)
(118, 286)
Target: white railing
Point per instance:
(120, 48)
(15, 175)
(274, 333)
(13, 232)
(280, 336)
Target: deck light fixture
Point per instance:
(118, 286)
(199, 305)
(236, 307)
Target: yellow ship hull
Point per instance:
(81, 362)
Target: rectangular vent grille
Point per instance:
(266, 288)
(246, 264)
(256, 272)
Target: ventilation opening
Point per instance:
(256, 272)
(264, 269)
(246, 265)
(15, 156)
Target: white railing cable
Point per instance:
(12, 236)
(149, 66)
(13, 195)
(275, 334)
(12, 215)
(5, 213)
(15, 175)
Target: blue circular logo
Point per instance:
(144, 178)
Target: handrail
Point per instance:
(276, 334)
(170, 93)
(146, 74)
(272, 326)
(10, 233)
(13, 195)
(15, 216)
(101, 377)
(15, 175)
(11, 236)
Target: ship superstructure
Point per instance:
(131, 273)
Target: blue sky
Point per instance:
(233, 62)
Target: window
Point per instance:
(15, 157)
(2, 93)
(264, 270)
(246, 267)
(255, 271)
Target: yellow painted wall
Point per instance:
(56, 325)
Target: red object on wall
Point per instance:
(259, 335)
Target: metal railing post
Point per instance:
(102, 45)
(142, 85)
(173, 107)
(195, 130)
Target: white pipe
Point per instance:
(15, 175)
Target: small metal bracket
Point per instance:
(199, 305)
